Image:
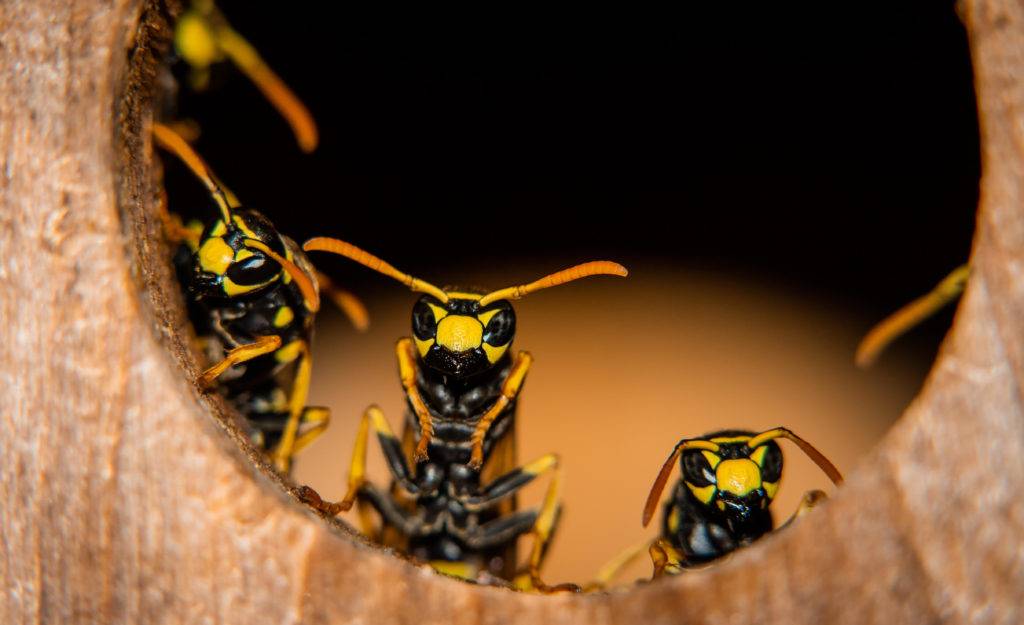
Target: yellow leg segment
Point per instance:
(373, 416)
(910, 315)
(285, 449)
(509, 390)
(665, 558)
(611, 569)
(318, 417)
(545, 525)
(406, 353)
(242, 353)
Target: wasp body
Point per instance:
(252, 296)
(452, 500)
(722, 502)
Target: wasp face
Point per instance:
(224, 267)
(460, 337)
(736, 482)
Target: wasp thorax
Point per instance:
(459, 337)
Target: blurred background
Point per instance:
(776, 181)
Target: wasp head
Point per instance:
(460, 337)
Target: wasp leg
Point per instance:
(610, 569)
(242, 353)
(665, 558)
(393, 514)
(319, 417)
(810, 499)
(285, 449)
(406, 353)
(509, 389)
(345, 301)
(543, 530)
(392, 448)
(508, 483)
(890, 328)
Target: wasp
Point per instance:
(890, 328)
(722, 501)
(452, 499)
(253, 295)
(203, 37)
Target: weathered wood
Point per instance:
(122, 500)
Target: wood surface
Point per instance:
(126, 496)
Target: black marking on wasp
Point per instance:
(452, 500)
(252, 296)
(722, 502)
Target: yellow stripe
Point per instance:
(485, 318)
(730, 439)
(494, 353)
(215, 256)
(758, 455)
(423, 346)
(704, 494)
(289, 352)
(283, 316)
(713, 460)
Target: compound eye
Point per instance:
(696, 469)
(771, 466)
(424, 325)
(500, 328)
(252, 270)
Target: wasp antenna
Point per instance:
(592, 268)
(666, 469)
(819, 458)
(245, 56)
(305, 284)
(171, 141)
(343, 248)
(890, 328)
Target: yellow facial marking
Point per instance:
(713, 460)
(243, 253)
(704, 494)
(758, 455)
(739, 476)
(289, 352)
(215, 255)
(232, 288)
(770, 488)
(219, 229)
(730, 439)
(494, 353)
(244, 227)
(439, 313)
(423, 346)
(459, 333)
(283, 316)
(721, 504)
(461, 295)
(485, 318)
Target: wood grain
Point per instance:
(129, 497)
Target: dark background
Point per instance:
(830, 150)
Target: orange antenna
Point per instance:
(343, 248)
(593, 268)
(172, 142)
(305, 284)
(666, 469)
(819, 458)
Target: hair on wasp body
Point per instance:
(454, 471)
(252, 296)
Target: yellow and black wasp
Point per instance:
(252, 295)
(452, 500)
(203, 37)
(722, 502)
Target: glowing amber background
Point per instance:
(623, 369)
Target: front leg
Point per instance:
(406, 353)
(509, 390)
